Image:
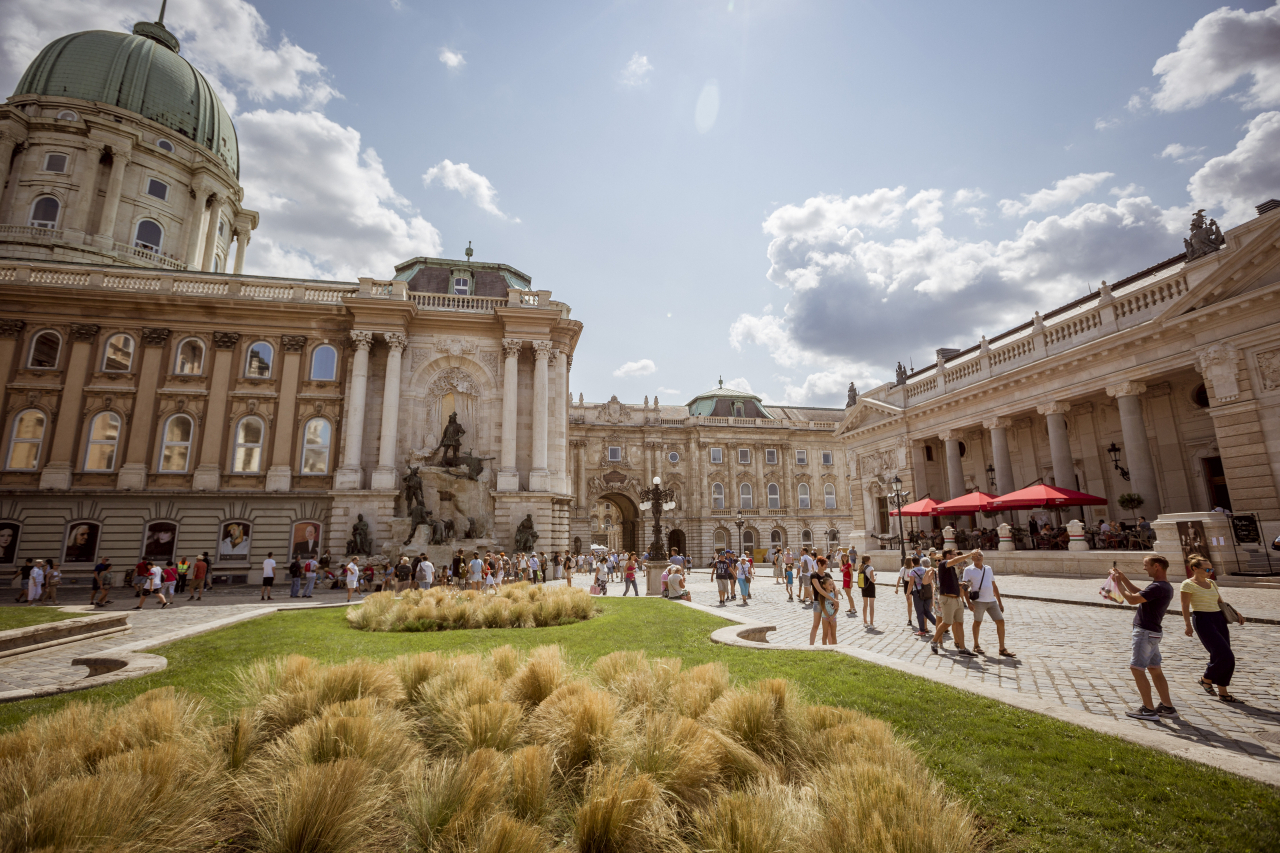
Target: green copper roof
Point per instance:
(705, 403)
(139, 72)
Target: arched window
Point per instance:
(104, 435)
(744, 496)
(833, 540)
(806, 537)
(44, 213)
(324, 364)
(258, 363)
(802, 492)
(190, 358)
(247, 458)
(222, 227)
(118, 357)
(775, 537)
(28, 436)
(717, 496)
(55, 163)
(175, 453)
(45, 350)
(315, 446)
(148, 235)
(721, 540)
(748, 540)
(775, 496)
(829, 495)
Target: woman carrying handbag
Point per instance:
(1207, 616)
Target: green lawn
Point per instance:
(21, 615)
(1036, 784)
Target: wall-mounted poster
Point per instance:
(1192, 537)
(82, 542)
(160, 542)
(305, 544)
(233, 543)
(9, 533)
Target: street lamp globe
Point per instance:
(657, 481)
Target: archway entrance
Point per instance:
(619, 522)
(675, 539)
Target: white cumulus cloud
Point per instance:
(1105, 123)
(1063, 192)
(1248, 176)
(643, 367)
(1223, 47)
(739, 384)
(460, 178)
(452, 59)
(637, 70)
(1182, 153)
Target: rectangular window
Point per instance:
(771, 456)
(717, 455)
(828, 458)
(615, 454)
(882, 514)
(744, 456)
(802, 457)
(460, 287)
(158, 189)
(55, 163)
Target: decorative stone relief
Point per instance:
(84, 332)
(1269, 369)
(613, 412)
(456, 346)
(155, 337)
(880, 463)
(225, 340)
(396, 340)
(11, 328)
(361, 339)
(542, 349)
(417, 356)
(1218, 365)
(293, 343)
(511, 347)
(492, 361)
(1055, 408)
(1126, 389)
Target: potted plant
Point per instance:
(1131, 501)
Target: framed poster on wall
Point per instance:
(233, 542)
(82, 542)
(305, 543)
(160, 541)
(10, 532)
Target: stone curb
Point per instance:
(20, 641)
(749, 633)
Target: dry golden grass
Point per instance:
(506, 753)
(517, 605)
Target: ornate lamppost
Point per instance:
(899, 499)
(1114, 453)
(740, 524)
(657, 499)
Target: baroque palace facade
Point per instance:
(158, 403)
(1165, 385)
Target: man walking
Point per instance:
(807, 568)
(201, 574)
(952, 603)
(268, 576)
(295, 578)
(1152, 601)
(100, 582)
(309, 571)
(984, 599)
(724, 577)
(426, 572)
(920, 581)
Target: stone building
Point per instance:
(723, 453)
(157, 404)
(1165, 384)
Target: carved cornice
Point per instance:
(11, 328)
(511, 347)
(225, 340)
(84, 332)
(361, 339)
(951, 435)
(396, 341)
(155, 337)
(997, 423)
(293, 343)
(1054, 408)
(1126, 389)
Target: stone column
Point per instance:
(57, 471)
(955, 468)
(580, 470)
(133, 473)
(242, 244)
(561, 483)
(78, 223)
(211, 234)
(508, 476)
(349, 476)
(385, 476)
(539, 478)
(283, 457)
(10, 332)
(208, 473)
(105, 238)
(195, 214)
(1137, 452)
(999, 428)
(1059, 444)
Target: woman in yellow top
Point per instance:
(1200, 610)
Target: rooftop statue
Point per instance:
(1205, 238)
(900, 375)
(853, 395)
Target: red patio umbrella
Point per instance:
(969, 504)
(1034, 497)
(920, 507)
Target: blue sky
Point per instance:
(792, 195)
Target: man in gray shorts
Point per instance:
(984, 599)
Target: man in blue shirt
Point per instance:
(1152, 603)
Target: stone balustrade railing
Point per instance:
(587, 414)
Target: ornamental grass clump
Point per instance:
(518, 605)
(502, 753)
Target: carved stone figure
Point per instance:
(474, 464)
(900, 375)
(449, 532)
(1205, 238)
(437, 531)
(359, 543)
(412, 493)
(452, 439)
(525, 534)
(853, 395)
(418, 516)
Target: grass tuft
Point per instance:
(518, 605)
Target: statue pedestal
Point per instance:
(653, 576)
(1075, 529)
(385, 478)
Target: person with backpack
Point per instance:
(310, 569)
(920, 580)
(867, 586)
(295, 578)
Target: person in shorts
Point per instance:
(268, 576)
(100, 583)
(951, 602)
(352, 576)
(1152, 601)
(983, 597)
(867, 586)
(789, 574)
(724, 577)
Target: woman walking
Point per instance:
(867, 584)
(602, 577)
(629, 575)
(744, 578)
(199, 570)
(1202, 613)
(52, 580)
(846, 583)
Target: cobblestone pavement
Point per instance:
(1255, 597)
(1078, 656)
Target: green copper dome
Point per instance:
(140, 72)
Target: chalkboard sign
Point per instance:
(1245, 528)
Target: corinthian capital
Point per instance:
(952, 435)
(511, 347)
(396, 340)
(997, 423)
(1126, 389)
(541, 349)
(361, 339)
(84, 331)
(1055, 408)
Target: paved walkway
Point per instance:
(1075, 655)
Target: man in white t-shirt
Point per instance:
(268, 576)
(984, 599)
(352, 573)
(807, 567)
(533, 567)
(426, 573)
(310, 568)
(477, 570)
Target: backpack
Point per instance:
(862, 577)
